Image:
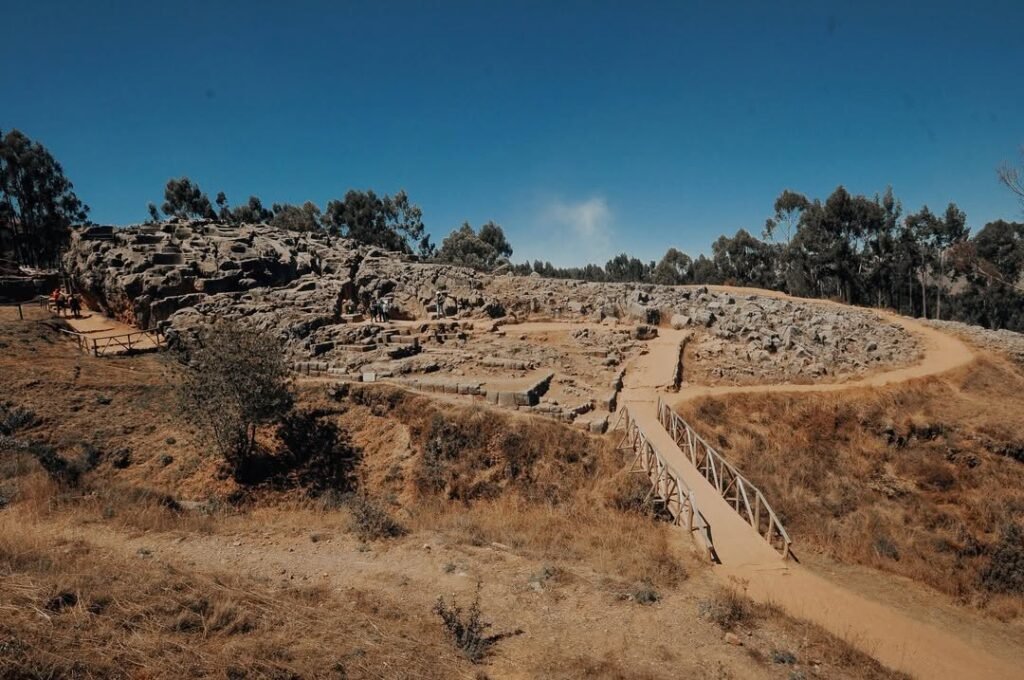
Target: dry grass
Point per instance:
(553, 495)
(911, 479)
(623, 548)
(73, 610)
(543, 489)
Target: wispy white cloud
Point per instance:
(588, 219)
(581, 229)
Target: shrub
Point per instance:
(631, 492)
(445, 441)
(644, 593)
(885, 547)
(321, 450)
(1005, 571)
(14, 418)
(235, 379)
(782, 656)
(466, 629)
(372, 521)
(726, 608)
(60, 470)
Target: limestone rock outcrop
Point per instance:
(309, 287)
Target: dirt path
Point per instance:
(894, 637)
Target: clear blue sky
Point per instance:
(584, 128)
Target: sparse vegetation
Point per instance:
(91, 613)
(727, 608)
(372, 521)
(933, 490)
(466, 629)
(1005, 570)
(644, 593)
(534, 499)
(234, 379)
(14, 418)
(320, 451)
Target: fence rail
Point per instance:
(130, 343)
(748, 500)
(666, 483)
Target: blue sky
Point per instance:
(583, 128)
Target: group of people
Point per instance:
(64, 302)
(380, 310)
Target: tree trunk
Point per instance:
(924, 296)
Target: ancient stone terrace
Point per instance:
(307, 288)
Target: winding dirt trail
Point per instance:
(897, 639)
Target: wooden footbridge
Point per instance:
(700, 489)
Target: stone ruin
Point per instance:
(308, 289)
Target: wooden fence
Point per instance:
(745, 498)
(127, 343)
(40, 301)
(667, 486)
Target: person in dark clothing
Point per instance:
(76, 306)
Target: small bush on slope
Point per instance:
(1005, 571)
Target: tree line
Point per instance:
(38, 204)
(858, 250)
(853, 248)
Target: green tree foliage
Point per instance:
(252, 212)
(744, 260)
(858, 249)
(234, 379)
(297, 218)
(493, 235)
(482, 250)
(38, 204)
(184, 198)
(993, 264)
(623, 267)
(675, 268)
(788, 208)
(390, 222)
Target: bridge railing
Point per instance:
(748, 500)
(666, 483)
(135, 341)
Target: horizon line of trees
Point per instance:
(852, 248)
(390, 222)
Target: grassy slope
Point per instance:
(917, 479)
(105, 579)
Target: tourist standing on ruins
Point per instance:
(440, 304)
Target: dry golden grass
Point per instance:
(916, 479)
(558, 498)
(73, 610)
(543, 489)
(620, 547)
